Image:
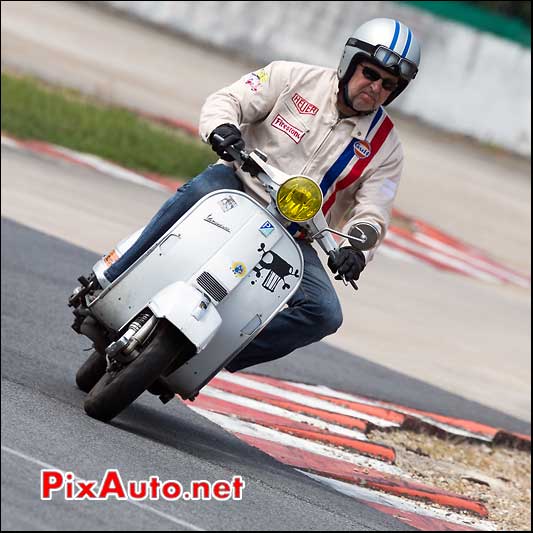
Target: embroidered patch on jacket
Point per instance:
(303, 106)
(362, 149)
(256, 79)
(286, 127)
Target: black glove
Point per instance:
(348, 262)
(231, 136)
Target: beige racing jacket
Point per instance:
(288, 110)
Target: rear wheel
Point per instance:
(91, 371)
(116, 390)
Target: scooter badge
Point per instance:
(267, 228)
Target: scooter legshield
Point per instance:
(228, 247)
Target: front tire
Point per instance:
(117, 390)
(91, 371)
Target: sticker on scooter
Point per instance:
(238, 269)
(278, 269)
(227, 203)
(110, 258)
(267, 228)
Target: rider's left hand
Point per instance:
(348, 262)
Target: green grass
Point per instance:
(33, 110)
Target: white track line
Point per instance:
(234, 425)
(321, 389)
(402, 504)
(278, 411)
(475, 261)
(94, 162)
(440, 257)
(303, 399)
(140, 505)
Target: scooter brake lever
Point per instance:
(352, 282)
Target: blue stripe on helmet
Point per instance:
(396, 35)
(394, 39)
(407, 44)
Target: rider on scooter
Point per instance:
(328, 125)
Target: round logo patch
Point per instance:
(238, 269)
(362, 149)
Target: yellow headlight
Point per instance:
(299, 199)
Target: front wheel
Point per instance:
(91, 371)
(117, 390)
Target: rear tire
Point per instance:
(91, 371)
(117, 390)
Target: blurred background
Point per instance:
(476, 59)
(448, 298)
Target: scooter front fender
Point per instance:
(185, 307)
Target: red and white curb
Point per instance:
(422, 243)
(322, 433)
(89, 161)
(437, 249)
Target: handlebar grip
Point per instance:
(236, 154)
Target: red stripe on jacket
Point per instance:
(361, 164)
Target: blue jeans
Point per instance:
(213, 178)
(313, 311)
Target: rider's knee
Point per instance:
(327, 317)
(334, 318)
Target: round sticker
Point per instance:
(238, 269)
(362, 149)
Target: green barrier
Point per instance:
(504, 26)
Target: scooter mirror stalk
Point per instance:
(363, 236)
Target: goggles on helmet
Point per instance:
(387, 57)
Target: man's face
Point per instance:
(367, 93)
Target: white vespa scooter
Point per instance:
(201, 293)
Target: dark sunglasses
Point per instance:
(373, 75)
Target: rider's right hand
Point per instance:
(231, 136)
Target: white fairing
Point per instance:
(198, 328)
(228, 247)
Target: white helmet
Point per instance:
(389, 44)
